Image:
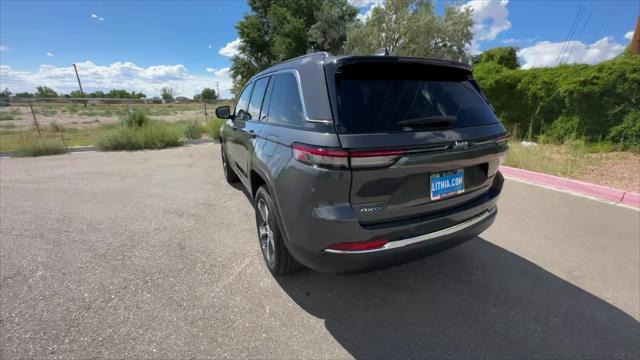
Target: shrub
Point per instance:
(39, 147)
(135, 119)
(193, 130)
(213, 128)
(150, 136)
(628, 132)
(562, 129)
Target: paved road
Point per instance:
(152, 254)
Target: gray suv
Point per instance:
(361, 162)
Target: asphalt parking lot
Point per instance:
(152, 254)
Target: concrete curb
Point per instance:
(574, 186)
(79, 149)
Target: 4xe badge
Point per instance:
(460, 145)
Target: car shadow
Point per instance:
(474, 301)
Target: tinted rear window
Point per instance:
(370, 105)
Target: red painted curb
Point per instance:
(581, 187)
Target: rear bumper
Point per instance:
(409, 241)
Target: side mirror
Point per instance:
(223, 112)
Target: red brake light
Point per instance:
(358, 245)
(321, 156)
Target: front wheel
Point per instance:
(275, 254)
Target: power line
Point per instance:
(579, 34)
(570, 34)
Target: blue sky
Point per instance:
(144, 45)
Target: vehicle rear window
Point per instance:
(370, 105)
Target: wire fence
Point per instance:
(23, 113)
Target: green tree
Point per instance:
(76, 94)
(505, 56)
(412, 28)
(329, 33)
(277, 30)
(24, 95)
(167, 94)
(208, 94)
(45, 92)
(5, 93)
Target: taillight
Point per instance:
(502, 142)
(339, 158)
(336, 158)
(358, 245)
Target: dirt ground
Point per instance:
(619, 170)
(77, 116)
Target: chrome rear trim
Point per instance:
(430, 236)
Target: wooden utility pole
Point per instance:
(634, 47)
(206, 118)
(78, 77)
(218, 89)
(79, 83)
(34, 118)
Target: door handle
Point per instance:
(252, 134)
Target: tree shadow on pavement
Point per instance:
(474, 301)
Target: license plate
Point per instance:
(447, 184)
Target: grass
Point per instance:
(213, 128)
(33, 146)
(569, 159)
(12, 114)
(154, 135)
(194, 130)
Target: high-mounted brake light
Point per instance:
(358, 245)
(339, 158)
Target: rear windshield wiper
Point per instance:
(428, 120)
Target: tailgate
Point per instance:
(438, 140)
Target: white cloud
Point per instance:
(210, 46)
(48, 54)
(4, 48)
(365, 16)
(94, 16)
(224, 72)
(231, 49)
(118, 75)
(545, 53)
(629, 35)
(489, 20)
(365, 3)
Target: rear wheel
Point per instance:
(276, 256)
(229, 174)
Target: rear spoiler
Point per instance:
(338, 62)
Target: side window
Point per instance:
(241, 105)
(256, 98)
(285, 105)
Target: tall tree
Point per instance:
(208, 94)
(46, 92)
(277, 30)
(412, 28)
(167, 94)
(330, 30)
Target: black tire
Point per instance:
(229, 174)
(278, 259)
